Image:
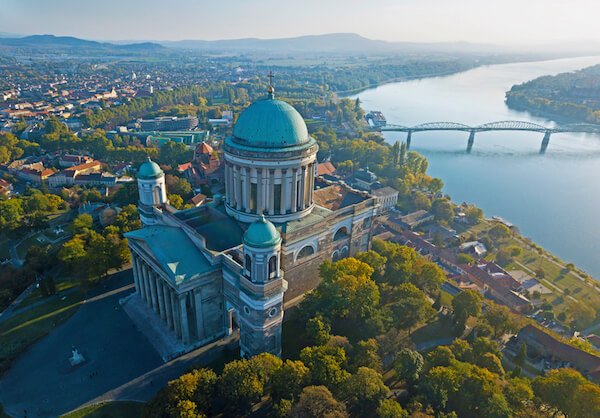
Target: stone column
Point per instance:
(259, 190)
(185, 325)
(302, 188)
(137, 275)
(199, 316)
(310, 185)
(271, 192)
(227, 188)
(153, 293)
(161, 297)
(237, 187)
(147, 296)
(247, 175)
(294, 202)
(176, 316)
(168, 304)
(284, 192)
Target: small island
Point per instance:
(572, 97)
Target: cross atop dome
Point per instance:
(271, 89)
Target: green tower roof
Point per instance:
(149, 170)
(261, 234)
(270, 123)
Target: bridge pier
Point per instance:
(471, 141)
(545, 142)
(408, 138)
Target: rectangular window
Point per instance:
(253, 192)
(277, 198)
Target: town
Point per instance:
(188, 233)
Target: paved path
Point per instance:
(43, 383)
(10, 310)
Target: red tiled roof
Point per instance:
(325, 168)
(183, 167)
(84, 166)
(204, 148)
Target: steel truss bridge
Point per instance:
(505, 125)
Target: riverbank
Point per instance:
(552, 198)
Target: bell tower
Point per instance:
(261, 290)
(152, 191)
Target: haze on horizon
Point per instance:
(507, 22)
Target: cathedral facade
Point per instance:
(238, 260)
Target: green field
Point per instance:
(109, 410)
(20, 331)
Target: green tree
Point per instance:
(325, 365)
(318, 402)
(366, 354)
(389, 408)
(264, 366)
(411, 307)
(82, 224)
(375, 260)
(175, 200)
(500, 319)
(408, 365)
(440, 356)
(428, 277)
(443, 210)
(518, 392)
(499, 231)
(365, 391)
(465, 305)
(180, 186)
(318, 330)
(239, 385)
(289, 379)
(492, 363)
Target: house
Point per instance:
(363, 179)
(415, 219)
(556, 351)
(387, 197)
(497, 284)
(35, 175)
(73, 160)
(326, 169)
(475, 248)
(198, 200)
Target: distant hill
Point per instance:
(333, 42)
(57, 42)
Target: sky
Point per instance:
(505, 22)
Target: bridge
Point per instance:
(505, 125)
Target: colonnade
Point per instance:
(274, 192)
(166, 302)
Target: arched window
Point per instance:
(248, 265)
(157, 195)
(305, 252)
(272, 266)
(335, 256)
(341, 233)
(344, 251)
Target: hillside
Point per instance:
(69, 42)
(570, 97)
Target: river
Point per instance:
(553, 198)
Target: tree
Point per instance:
(521, 355)
(440, 356)
(492, 363)
(366, 353)
(389, 408)
(318, 330)
(462, 350)
(428, 277)
(518, 392)
(174, 153)
(400, 261)
(411, 307)
(567, 391)
(463, 258)
(175, 200)
(128, 219)
(318, 402)
(287, 381)
(197, 387)
(73, 253)
(500, 319)
(408, 364)
(499, 231)
(180, 186)
(375, 260)
(482, 346)
(442, 210)
(465, 305)
(265, 365)
(420, 201)
(82, 224)
(239, 385)
(365, 391)
(325, 365)
(474, 214)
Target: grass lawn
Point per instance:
(20, 331)
(436, 330)
(36, 295)
(109, 410)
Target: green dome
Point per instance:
(149, 170)
(270, 123)
(261, 234)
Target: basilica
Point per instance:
(240, 259)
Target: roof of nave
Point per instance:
(173, 250)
